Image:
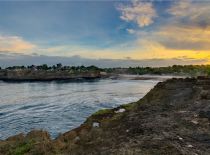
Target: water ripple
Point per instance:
(59, 107)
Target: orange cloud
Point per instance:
(186, 34)
(15, 44)
(150, 49)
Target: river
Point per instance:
(58, 107)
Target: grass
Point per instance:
(102, 112)
(128, 106)
(110, 111)
(22, 149)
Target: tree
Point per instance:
(59, 65)
(44, 67)
(92, 68)
(22, 67)
(54, 67)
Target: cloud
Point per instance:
(185, 37)
(131, 31)
(188, 28)
(15, 44)
(181, 8)
(141, 13)
(154, 49)
(184, 31)
(178, 35)
(9, 59)
(191, 12)
(189, 8)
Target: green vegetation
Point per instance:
(102, 112)
(191, 70)
(128, 106)
(156, 124)
(175, 69)
(59, 66)
(22, 148)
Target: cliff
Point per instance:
(173, 118)
(45, 75)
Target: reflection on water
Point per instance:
(59, 107)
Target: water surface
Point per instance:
(59, 107)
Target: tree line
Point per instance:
(58, 66)
(175, 69)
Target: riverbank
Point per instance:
(144, 77)
(32, 105)
(68, 76)
(46, 75)
(173, 118)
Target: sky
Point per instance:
(105, 33)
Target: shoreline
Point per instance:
(145, 77)
(164, 121)
(93, 77)
(45, 75)
(83, 79)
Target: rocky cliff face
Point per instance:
(173, 118)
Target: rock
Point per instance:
(96, 124)
(204, 94)
(120, 110)
(77, 138)
(180, 138)
(194, 121)
(190, 146)
(204, 114)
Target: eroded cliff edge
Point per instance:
(173, 118)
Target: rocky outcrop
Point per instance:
(46, 75)
(173, 118)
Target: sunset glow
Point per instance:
(136, 30)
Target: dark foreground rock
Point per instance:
(172, 119)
